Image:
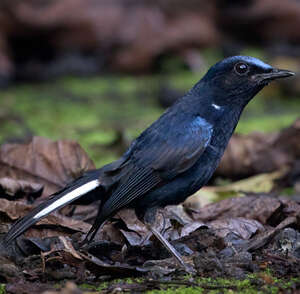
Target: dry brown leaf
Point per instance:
(191, 227)
(104, 267)
(259, 208)
(14, 209)
(110, 233)
(14, 187)
(291, 208)
(42, 161)
(263, 238)
(86, 213)
(61, 221)
(258, 153)
(242, 227)
(132, 222)
(136, 232)
(62, 225)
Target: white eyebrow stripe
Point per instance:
(68, 198)
(218, 107)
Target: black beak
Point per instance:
(273, 75)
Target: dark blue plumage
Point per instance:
(175, 156)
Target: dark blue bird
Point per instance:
(174, 157)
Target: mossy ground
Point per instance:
(263, 282)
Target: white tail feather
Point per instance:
(71, 196)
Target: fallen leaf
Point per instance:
(242, 227)
(53, 225)
(137, 231)
(291, 208)
(191, 227)
(262, 183)
(103, 267)
(13, 187)
(263, 238)
(257, 153)
(44, 162)
(14, 209)
(257, 207)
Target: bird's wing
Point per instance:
(179, 154)
(157, 157)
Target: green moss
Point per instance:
(100, 287)
(2, 289)
(179, 290)
(254, 283)
(245, 286)
(87, 287)
(78, 109)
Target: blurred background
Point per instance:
(100, 71)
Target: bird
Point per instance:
(173, 158)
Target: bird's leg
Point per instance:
(98, 223)
(164, 222)
(146, 238)
(149, 220)
(150, 233)
(167, 245)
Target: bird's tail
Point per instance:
(77, 189)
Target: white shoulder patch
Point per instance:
(215, 106)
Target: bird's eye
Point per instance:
(241, 68)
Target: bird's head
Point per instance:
(237, 79)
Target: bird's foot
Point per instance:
(188, 268)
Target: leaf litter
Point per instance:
(229, 238)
